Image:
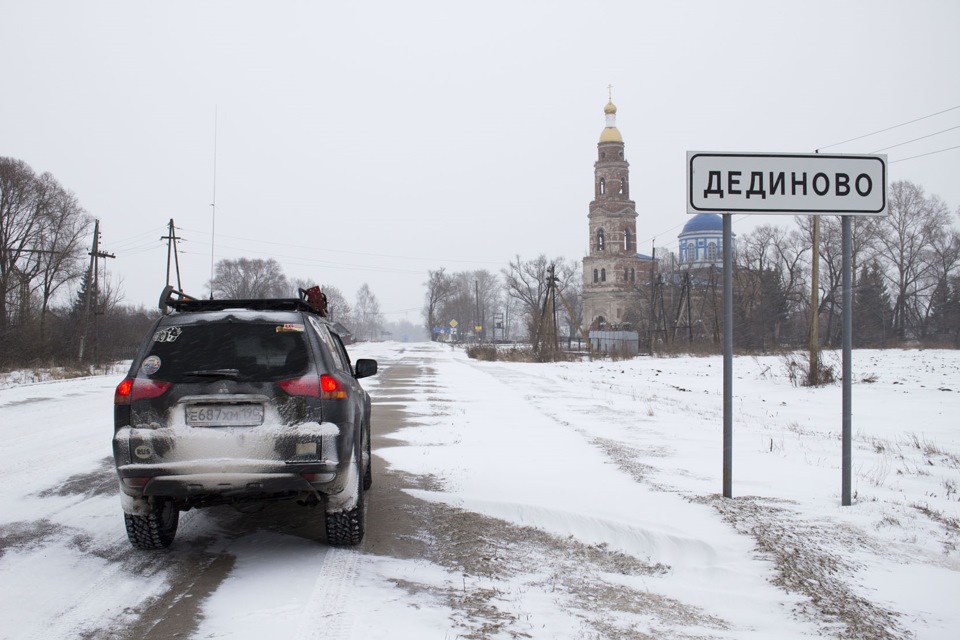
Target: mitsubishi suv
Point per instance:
(232, 401)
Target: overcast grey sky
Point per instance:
(370, 142)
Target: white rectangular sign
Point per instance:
(786, 183)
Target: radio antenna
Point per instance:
(213, 205)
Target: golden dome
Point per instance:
(610, 134)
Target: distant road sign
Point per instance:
(453, 324)
(786, 183)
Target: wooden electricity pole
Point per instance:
(171, 239)
(92, 283)
(813, 374)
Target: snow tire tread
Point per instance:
(149, 532)
(345, 528)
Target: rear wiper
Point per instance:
(215, 373)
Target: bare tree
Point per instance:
(526, 281)
(944, 260)
(59, 249)
(904, 239)
(245, 279)
(20, 200)
(440, 287)
(338, 309)
(367, 317)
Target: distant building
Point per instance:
(613, 267)
(701, 242)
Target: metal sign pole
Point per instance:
(847, 240)
(727, 357)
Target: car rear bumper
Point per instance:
(193, 462)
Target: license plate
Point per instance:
(225, 415)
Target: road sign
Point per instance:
(817, 184)
(453, 324)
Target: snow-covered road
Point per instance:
(569, 500)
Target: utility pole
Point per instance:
(171, 239)
(813, 373)
(684, 305)
(92, 286)
(476, 284)
(547, 345)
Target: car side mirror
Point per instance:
(365, 367)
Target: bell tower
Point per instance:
(611, 266)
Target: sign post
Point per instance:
(791, 184)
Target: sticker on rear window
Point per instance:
(169, 334)
(150, 365)
(283, 328)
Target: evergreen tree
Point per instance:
(872, 309)
(944, 320)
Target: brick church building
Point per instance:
(613, 268)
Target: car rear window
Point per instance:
(246, 350)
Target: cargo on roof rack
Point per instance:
(311, 300)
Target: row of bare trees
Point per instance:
(906, 269)
(43, 230)
(906, 286)
(505, 306)
(246, 278)
(906, 281)
(52, 301)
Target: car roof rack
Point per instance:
(311, 300)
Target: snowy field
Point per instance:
(604, 477)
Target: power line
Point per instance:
(328, 250)
(896, 126)
(900, 144)
(925, 154)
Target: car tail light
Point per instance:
(331, 389)
(306, 386)
(132, 389)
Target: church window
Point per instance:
(596, 276)
(600, 240)
(602, 186)
(633, 274)
(621, 155)
(623, 186)
(712, 251)
(626, 274)
(626, 239)
(603, 275)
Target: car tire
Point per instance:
(345, 527)
(156, 529)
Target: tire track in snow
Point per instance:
(329, 616)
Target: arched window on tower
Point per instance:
(626, 274)
(601, 243)
(626, 239)
(596, 276)
(623, 187)
(603, 275)
(712, 252)
(633, 274)
(602, 186)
